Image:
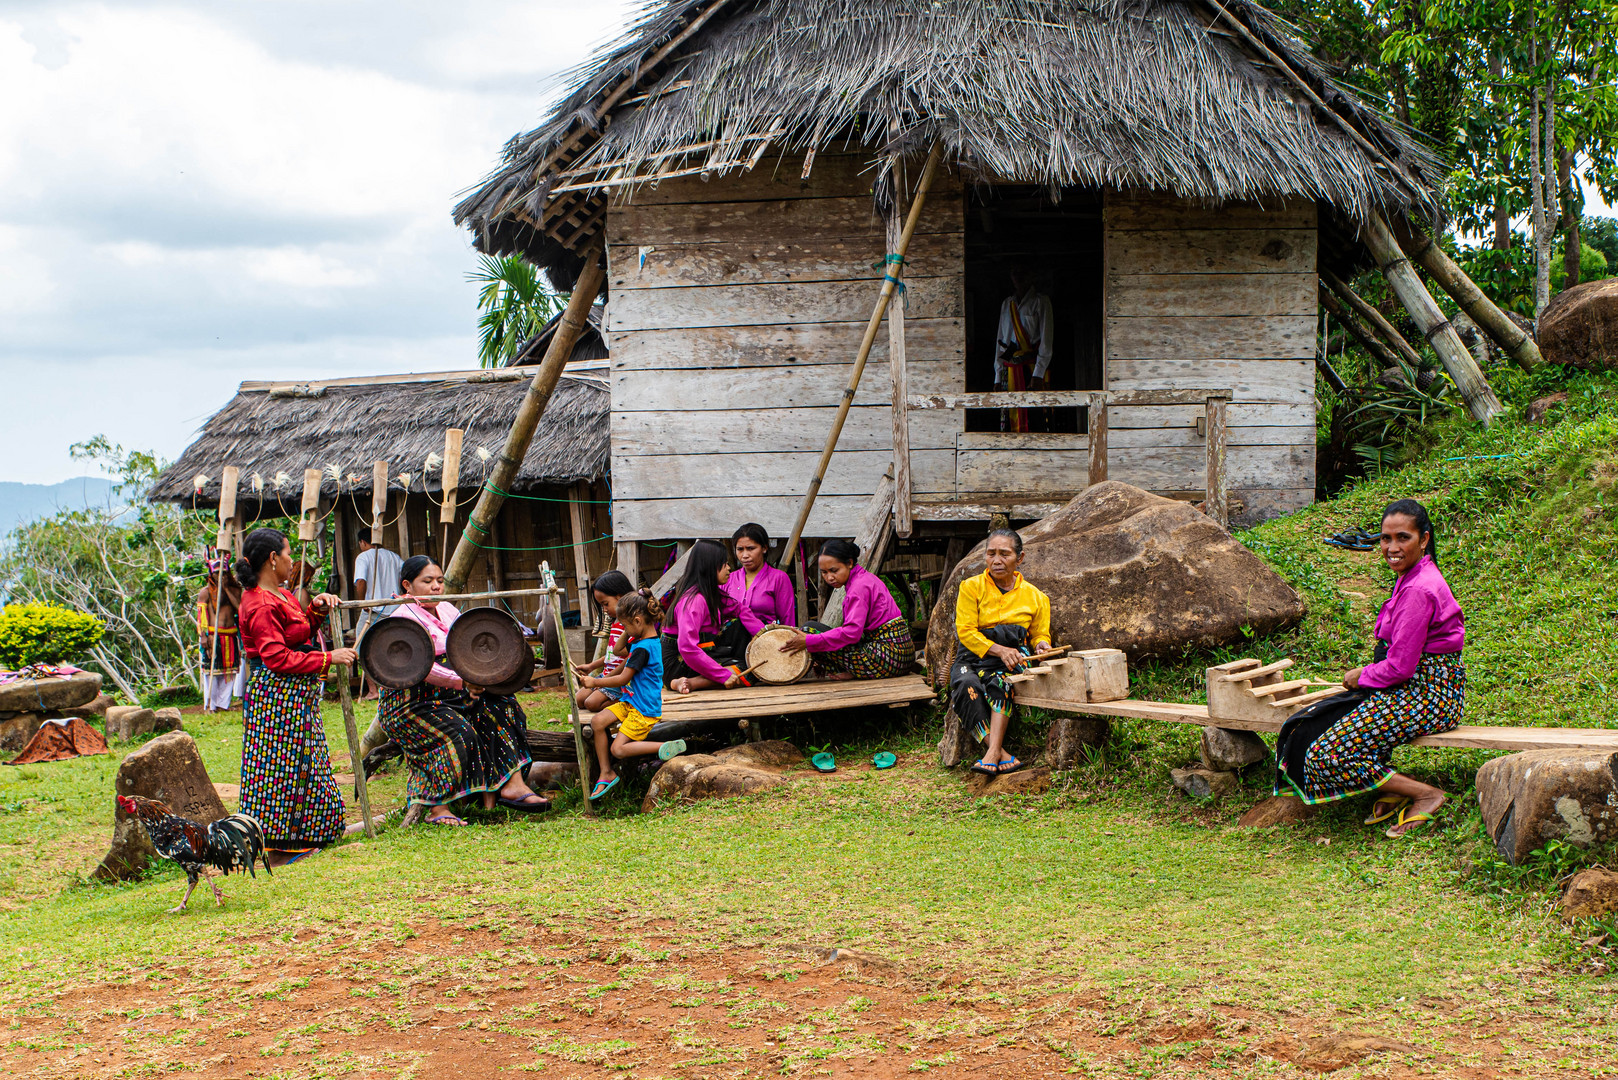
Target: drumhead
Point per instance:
(769, 663)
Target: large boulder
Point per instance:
(128, 722)
(1580, 327)
(1232, 750)
(738, 770)
(17, 728)
(1536, 796)
(167, 769)
(50, 695)
(1126, 569)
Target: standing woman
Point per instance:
(757, 585)
(874, 641)
(287, 782)
(997, 614)
(1415, 686)
(457, 742)
(706, 631)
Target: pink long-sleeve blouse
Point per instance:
(690, 618)
(768, 595)
(1420, 617)
(867, 606)
(436, 621)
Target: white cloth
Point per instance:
(219, 690)
(1038, 322)
(379, 569)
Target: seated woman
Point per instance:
(1416, 686)
(997, 615)
(706, 632)
(874, 641)
(458, 741)
(757, 585)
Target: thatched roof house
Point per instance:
(273, 431)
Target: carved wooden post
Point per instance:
(1098, 438)
(1217, 499)
(450, 481)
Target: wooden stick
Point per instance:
(888, 282)
(449, 477)
(387, 601)
(1389, 332)
(1254, 673)
(490, 498)
(1475, 389)
(350, 728)
(1357, 330)
(1464, 291)
(549, 579)
(903, 523)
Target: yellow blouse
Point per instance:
(981, 603)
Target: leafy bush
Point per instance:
(171, 695)
(44, 634)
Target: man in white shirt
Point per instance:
(1022, 344)
(376, 574)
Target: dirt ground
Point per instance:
(575, 1001)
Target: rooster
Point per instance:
(231, 843)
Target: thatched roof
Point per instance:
(1205, 99)
(591, 343)
(341, 426)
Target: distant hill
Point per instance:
(22, 503)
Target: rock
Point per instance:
(1540, 406)
(739, 770)
(1232, 750)
(1580, 326)
(130, 721)
(94, 710)
(1535, 796)
(1035, 781)
(1200, 783)
(1277, 810)
(1129, 570)
(1591, 894)
(1073, 740)
(542, 775)
(17, 729)
(168, 719)
(167, 769)
(46, 695)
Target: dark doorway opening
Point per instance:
(1058, 241)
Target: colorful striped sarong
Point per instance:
(884, 653)
(456, 745)
(287, 783)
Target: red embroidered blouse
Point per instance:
(273, 626)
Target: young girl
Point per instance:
(608, 589)
(640, 702)
(706, 631)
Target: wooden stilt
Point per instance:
(1218, 493)
(1098, 438)
(581, 565)
(628, 556)
(902, 521)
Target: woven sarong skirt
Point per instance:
(287, 782)
(885, 652)
(456, 745)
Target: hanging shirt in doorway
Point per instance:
(1038, 333)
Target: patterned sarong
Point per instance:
(977, 684)
(287, 782)
(887, 651)
(456, 745)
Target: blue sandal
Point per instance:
(1007, 765)
(604, 786)
(981, 766)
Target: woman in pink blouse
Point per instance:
(1415, 686)
(757, 585)
(874, 639)
(458, 742)
(706, 630)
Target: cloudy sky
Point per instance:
(193, 194)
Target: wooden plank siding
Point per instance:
(736, 308)
(1212, 297)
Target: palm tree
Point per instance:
(515, 303)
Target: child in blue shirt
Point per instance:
(640, 702)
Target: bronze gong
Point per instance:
(485, 646)
(520, 681)
(397, 653)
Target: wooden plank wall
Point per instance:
(1214, 297)
(736, 308)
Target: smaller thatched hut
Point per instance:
(273, 431)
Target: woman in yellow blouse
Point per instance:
(999, 619)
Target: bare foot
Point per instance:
(681, 686)
(839, 676)
(1428, 805)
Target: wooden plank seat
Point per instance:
(1469, 736)
(804, 697)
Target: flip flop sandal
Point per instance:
(884, 760)
(1383, 809)
(824, 763)
(604, 786)
(524, 806)
(1408, 821)
(672, 748)
(449, 821)
(981, 766)
(1007, 765)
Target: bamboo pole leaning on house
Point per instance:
(903, 521)
(890, 280)
(1407, 286)
(1375, 318)
(1513, 339)
(492, 497)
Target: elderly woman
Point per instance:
(999, 619)
(287, 782)
(1415, 686)
(756, 585)
(459, 741)
(874, 640)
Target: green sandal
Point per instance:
(824, 762)
(884, 760)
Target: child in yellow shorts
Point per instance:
(640, 705)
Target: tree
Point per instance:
(515, 304)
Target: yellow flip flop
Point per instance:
(1420, 817)
(1383, 809)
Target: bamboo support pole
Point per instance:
(1357, 330)
(549, 579)
(903, 521)
(1407, 285)
(1513, 339)
(454, 598)
(889, 281)
(350, 728)
(1368, 313)
(490, 498)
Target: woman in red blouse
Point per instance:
(287, 782)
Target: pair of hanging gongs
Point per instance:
(485, 646)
